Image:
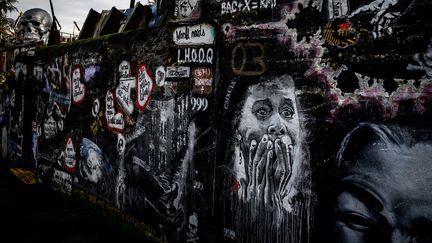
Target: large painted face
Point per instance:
(268, 133)
(387, 196)
(270, 109)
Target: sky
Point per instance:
(68, 11)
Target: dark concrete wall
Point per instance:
(242, 121)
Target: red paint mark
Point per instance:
(235, 185)
(344, 26)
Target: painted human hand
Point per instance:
(284, 162)
(269, 170)
(259, 155)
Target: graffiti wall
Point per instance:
(242, 121)
(324, 105)
(131, 125)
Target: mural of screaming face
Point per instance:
(271, 181)
(269, 148)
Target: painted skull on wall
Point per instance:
(35, 25)
(192, 232)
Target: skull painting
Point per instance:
(35, 25)
(192, 233)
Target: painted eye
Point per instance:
(357, 221)
(263, 112)
(262, 109)
(287, 112)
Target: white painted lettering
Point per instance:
(195, 55)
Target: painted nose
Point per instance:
(276, 129)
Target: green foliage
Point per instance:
(5, 7)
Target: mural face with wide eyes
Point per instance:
(270, 110)
(268, 134)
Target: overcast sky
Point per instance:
(68, 11)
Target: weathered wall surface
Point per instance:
(295, 78)
(243, 121)
(128, 119)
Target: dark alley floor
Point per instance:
(34, 213)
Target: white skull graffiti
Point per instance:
(35, 25)
(192, 232)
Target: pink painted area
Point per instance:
(235, 185)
